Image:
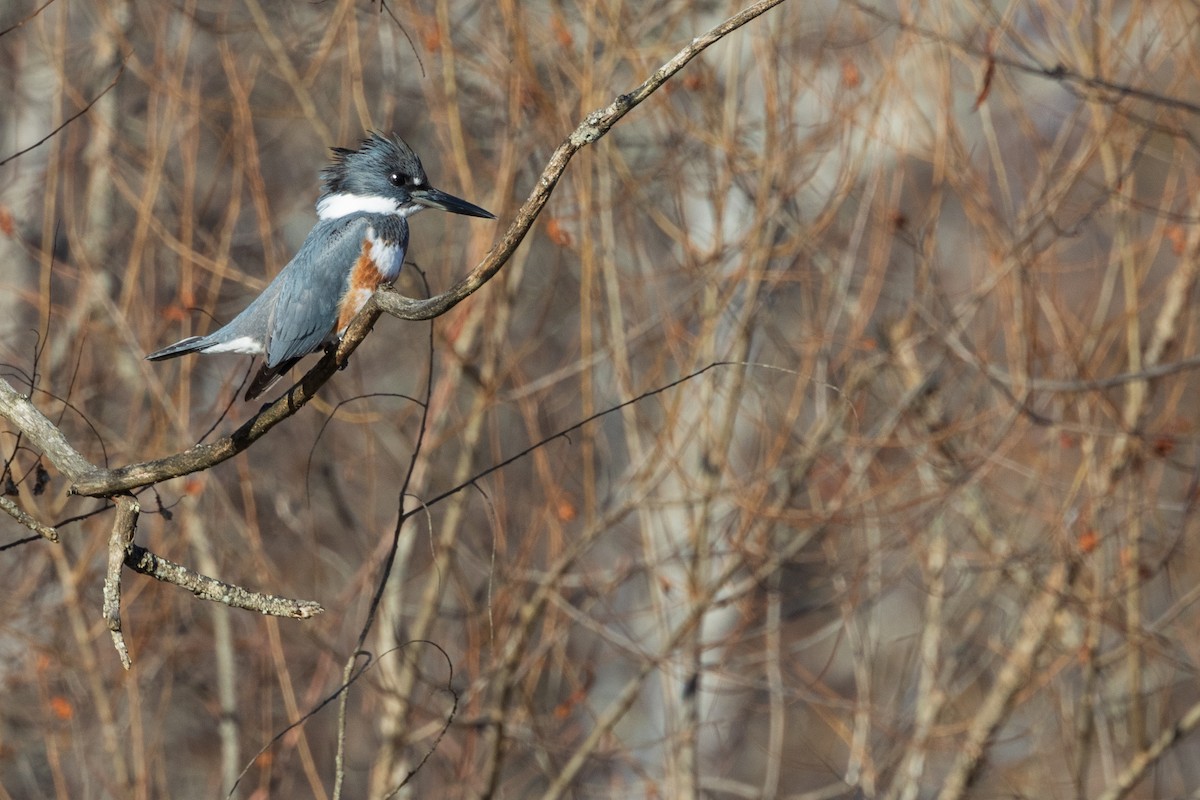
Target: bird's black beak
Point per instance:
(435, 198)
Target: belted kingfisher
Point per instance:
(358, 243)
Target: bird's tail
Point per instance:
(180, 348)
(267, 376)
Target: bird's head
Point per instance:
(383, 176)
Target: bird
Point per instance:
(358, 244)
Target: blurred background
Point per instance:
(900, 538)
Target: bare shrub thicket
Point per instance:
(918, 524)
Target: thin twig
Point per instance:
(69, 119)
(1058, 72)
(26, 18)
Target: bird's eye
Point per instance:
(396, 179)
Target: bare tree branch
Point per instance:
(139, 559)
(41, 529)
(123, 530)
(43, 433)
(1145, 760)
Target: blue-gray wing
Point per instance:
(305, 310)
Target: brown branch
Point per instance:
(139, 559)
(43, 434)
(119, 542)
(1022, 654)
(106, 483)
(35, 525)
(1144, 760)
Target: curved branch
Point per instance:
(594, 126)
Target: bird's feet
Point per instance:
(331, 347)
